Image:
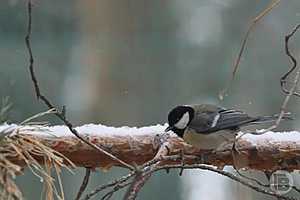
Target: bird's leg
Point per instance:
(233, 148)
(234, 152)
(235, 139)
(204, 157)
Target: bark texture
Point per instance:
(271, 152)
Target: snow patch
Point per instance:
(102, 130)
(291, 136)
(88, 129)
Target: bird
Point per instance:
(211, 127)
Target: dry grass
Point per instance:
(27, 148)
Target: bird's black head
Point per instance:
(179, 118)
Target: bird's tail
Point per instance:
(272, 118)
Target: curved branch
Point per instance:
(283, 79)
(47, 102)
(229, 175)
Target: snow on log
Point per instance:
(269, 151)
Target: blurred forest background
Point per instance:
(129, 62)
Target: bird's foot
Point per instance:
(204, 157)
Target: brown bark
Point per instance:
(137, 148)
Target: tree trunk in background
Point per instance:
(124, 49)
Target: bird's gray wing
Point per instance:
(209, 118)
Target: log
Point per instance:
(269, 151)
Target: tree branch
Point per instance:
(61, 115)
(147, 169)
(229, 175)
(283, 79)
(137, 146)
(84, 183)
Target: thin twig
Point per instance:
(213, 169)
(26, 121)
(227, 174)
(111, 184)
(136, 185)
(243, 46)
(292, 90)
(296, 189)
(285, 102)
(283, 79)
(252, 179)
(149, 170)
(40, 96)
(84, 183)
(119, 186)
(142, 176)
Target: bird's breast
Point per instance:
(215, 140)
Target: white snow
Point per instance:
(88, 129)
(291, 136)
(102, 130)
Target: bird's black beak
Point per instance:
(168, 128)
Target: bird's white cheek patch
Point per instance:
(183, 122)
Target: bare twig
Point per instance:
(146, 172)
(60, 115)
(111, 184)
(227, 174)
(26, 121)
(136, 185)
(285, 102)
(251, 179)
(142, 175)
(292, 90)
(283, 79)
(116, 188)
(238, 59)
(84, 183)
(296, 189)
(261, 183)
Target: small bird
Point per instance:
(211, 127)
